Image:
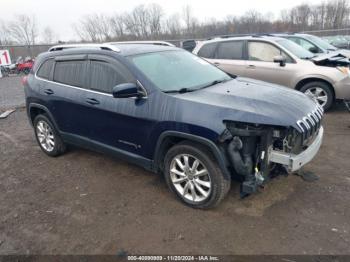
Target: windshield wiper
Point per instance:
(215, 82)
(186, 90)
(180, 91)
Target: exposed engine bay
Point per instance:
(248, 147)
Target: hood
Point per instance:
(252, 101)
(344, 52)
(332, 59)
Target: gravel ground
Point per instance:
(87, 203)
(11, 92)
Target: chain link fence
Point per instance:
(24, 51)
(329, 32)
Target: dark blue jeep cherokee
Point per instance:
(167, 110)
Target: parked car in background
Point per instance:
(170, 111)
(311, 43)
(25, 65)
(314, 44)
(21, 66)
(281, 61)
(347, 37)
(188, 45)
(338, 41)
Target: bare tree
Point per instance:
(118, 29)
(173, 25)
(137, 22)
(5, 37)
(141, 17)
(94, 28)
(149, 21)
(24, 29)
(190, 20)
(48, 35)
(155, 16)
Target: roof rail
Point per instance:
(164, 43)
(100, 46)
(240, 35)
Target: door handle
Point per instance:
(92, 101)
(49, 91)
(216, 64)
(251, 66)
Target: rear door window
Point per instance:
(104, 75)
(232, 50)
(71, 73)
(45, 69)
(207, 50)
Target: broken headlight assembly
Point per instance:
(247, 147)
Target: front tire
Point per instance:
(48, 137)
(192, 173)
(320, 92)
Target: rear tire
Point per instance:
(48, 137)
(320, 92)
(200, 183)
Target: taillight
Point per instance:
(24, 80)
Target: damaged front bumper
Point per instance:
(294, 162)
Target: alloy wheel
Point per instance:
(45, 135)
(318, 95)
(190, 178)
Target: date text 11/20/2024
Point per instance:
(173, 258)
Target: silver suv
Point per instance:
(278, 60)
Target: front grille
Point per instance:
(310, 124)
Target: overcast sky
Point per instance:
(60, 15)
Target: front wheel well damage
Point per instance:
(305, 81)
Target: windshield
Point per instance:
(173, 71)
(321, 43)
(295, 49)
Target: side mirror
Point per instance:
(280, 59)
(127, 90)
(313, 49)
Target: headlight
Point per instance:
(344, 70)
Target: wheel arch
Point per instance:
(169, 138)
(305, 81)
(35, 109)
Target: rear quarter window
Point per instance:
(45, 69)
(207, 50)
